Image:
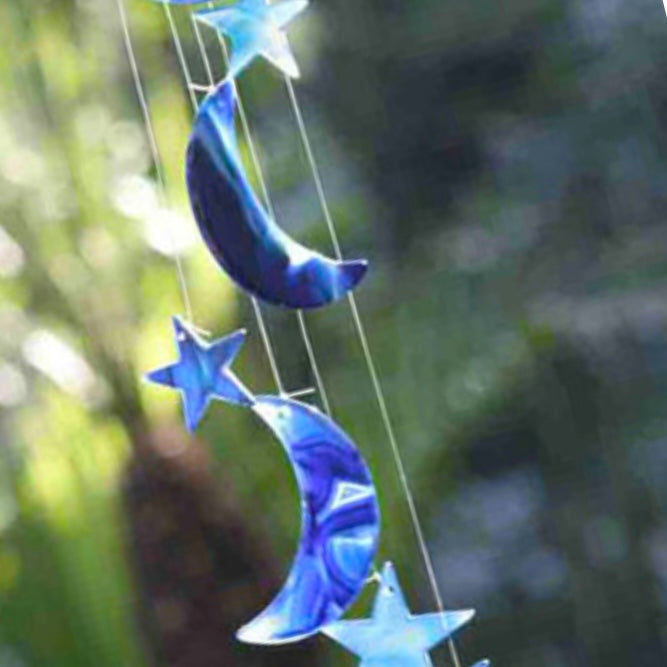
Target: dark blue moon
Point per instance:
(340, 524)
(242, 237)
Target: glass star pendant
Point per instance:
(203, 372)
(393, 637)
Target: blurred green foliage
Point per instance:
(504, 169)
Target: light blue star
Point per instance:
(256, 28)
(392, 637)
(202, 372)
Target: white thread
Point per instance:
(379, 394)
(179, 53)
(351, 299)
(398, 459)
(199, 88)
(155, 154)
(255, 305)
(308, 391)
(267, 345)
(310, 353)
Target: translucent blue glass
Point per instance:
(203, 372)
(255, 28)
(392, 637)
(340, 524)
(241, 236)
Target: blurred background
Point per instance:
(503, 166)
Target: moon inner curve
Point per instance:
(340, 524)
(244, 240)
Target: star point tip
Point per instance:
(203, 372)
(179, 323)
(461, 617)
(388, 577)
(162, 376)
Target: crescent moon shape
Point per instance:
(340, 524)
(240, 234)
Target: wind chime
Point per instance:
(340, 512)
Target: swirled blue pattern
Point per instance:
(340, 524)
(242, 237)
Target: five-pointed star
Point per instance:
(256, 28)
(202, 372)
(392, 637)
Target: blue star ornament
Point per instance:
(256, 28)
(202, 372)
(392, 637)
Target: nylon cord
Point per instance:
(363, 339)
(370, 363)
(155, 153)
(301, 319)
(358, 323)
(264, 334)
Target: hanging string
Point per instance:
(303, 328)
(269, 204)
(358, 323)
(370, 364)
(264, 334)
(155, 154)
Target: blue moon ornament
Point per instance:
(244, 240)
(340, 516)
(340, 524)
